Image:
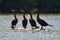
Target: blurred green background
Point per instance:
(46, 6)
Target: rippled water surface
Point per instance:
(6, 33)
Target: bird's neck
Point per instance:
(30, 15)
(15, 15)
(38, 15)
(24, 16)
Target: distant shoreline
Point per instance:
(43, 14)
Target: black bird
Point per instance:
(24, 21)
(42, 22)
(14, 22)
(32, 22)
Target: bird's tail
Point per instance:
(51, 25)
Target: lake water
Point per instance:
(6, 33)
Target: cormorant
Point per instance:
(14, 22)
(42, 22)
(24, 21)
(32, 22)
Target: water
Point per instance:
(6, 33)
